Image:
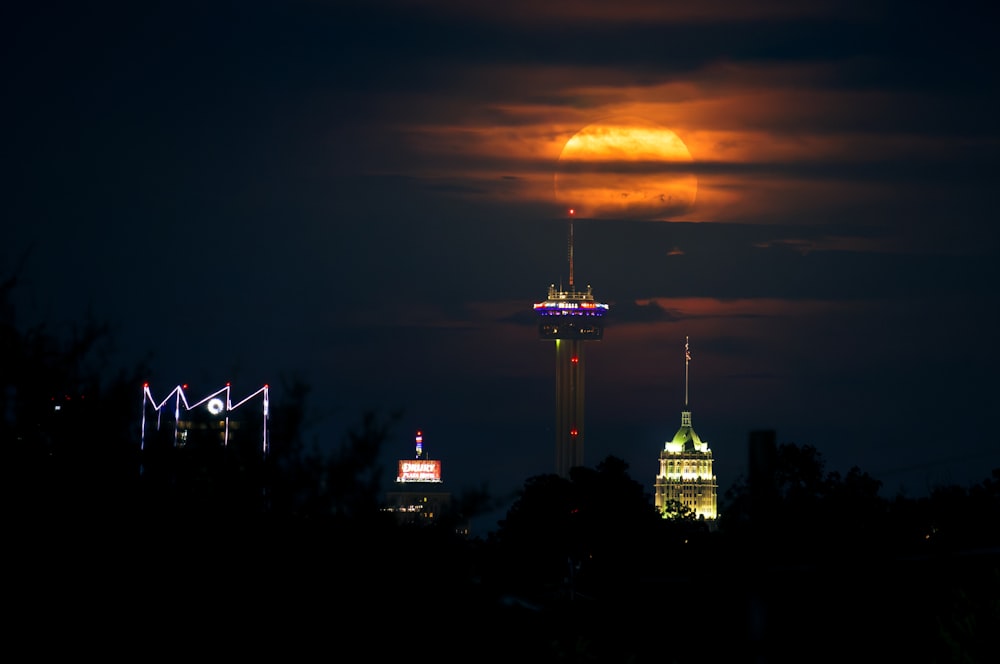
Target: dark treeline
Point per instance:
(115, 551)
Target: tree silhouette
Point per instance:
(806, 510)
(577, 536)
(67, 428)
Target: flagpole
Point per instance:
(687, 361)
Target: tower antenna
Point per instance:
(570, 248)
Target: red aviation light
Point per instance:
(573, 432)
(575, 359)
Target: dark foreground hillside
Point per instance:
(138, 582)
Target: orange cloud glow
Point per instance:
(764, 143)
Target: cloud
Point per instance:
(641, 312)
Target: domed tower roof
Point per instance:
(686, 439)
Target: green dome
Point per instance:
(688, 440)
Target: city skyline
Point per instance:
(370, 197)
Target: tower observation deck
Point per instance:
(570, 317)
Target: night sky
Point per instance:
(361, 195)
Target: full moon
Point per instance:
(625, 168)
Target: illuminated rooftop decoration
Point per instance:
(421, 469)
(213, 403)
(571, 314)
(570, 303)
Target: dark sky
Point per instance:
(362, 195)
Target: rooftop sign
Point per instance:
(419, 470)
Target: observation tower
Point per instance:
(570, 317)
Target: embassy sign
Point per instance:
(419, 470)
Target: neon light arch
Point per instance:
(180, 397)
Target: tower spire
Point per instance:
(569, 252)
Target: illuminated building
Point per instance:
(200, 449)
(686, 476)
(420, 496)
(570, 318)
(206, 420)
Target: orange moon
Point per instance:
(625, 168)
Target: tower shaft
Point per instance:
(569, 405)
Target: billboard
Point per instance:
(419, 470)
